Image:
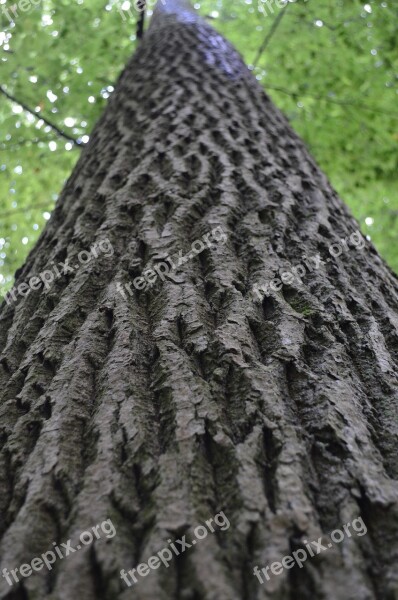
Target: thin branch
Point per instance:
(38, 116)
(11, 213)
(270, 34)
(141, 20)
(328, 99)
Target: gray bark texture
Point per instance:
(161, 408)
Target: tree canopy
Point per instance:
(332, 67)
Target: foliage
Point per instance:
(332, 67)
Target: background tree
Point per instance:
(161, 408)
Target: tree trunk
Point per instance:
(159, 408)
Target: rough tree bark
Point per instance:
(160, 409)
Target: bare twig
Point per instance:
(141, 20)
(270, 34)
(38, 116)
